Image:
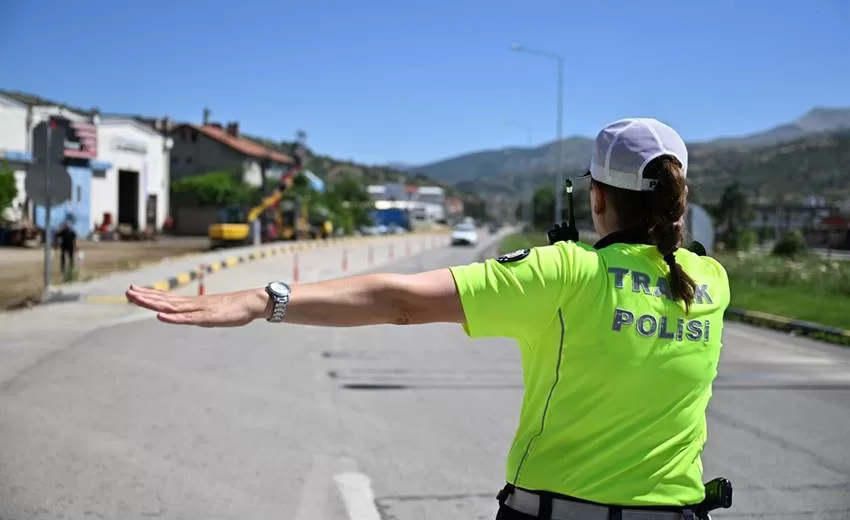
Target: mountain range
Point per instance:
(495, 171)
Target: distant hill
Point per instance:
(817, 120)
(818, 164)
(812, 141)
(325, 166)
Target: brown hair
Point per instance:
(660, 214)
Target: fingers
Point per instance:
(162, 301)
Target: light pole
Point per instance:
(559, 174)
(527, 198)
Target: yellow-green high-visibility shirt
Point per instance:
(617, 377)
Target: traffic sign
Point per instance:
(36, 185)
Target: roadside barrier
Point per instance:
(791, 326)
(201, 272)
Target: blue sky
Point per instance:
(379, 81)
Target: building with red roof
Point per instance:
(211, 147)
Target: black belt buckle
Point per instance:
(505, 493)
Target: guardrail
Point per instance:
(792, 326)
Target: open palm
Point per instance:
(216, 310)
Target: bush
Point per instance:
(8, 188)
(217, 188)
(791, 245)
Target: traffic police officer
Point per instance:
(620, 341)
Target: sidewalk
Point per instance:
(176, 272)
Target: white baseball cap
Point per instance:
(624, 148)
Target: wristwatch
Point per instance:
(279, 293)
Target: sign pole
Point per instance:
(48, 238)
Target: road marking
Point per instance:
(356, 491)
(314, 492)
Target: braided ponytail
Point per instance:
(660, 214)
(666, 222)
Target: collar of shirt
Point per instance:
(626, 236)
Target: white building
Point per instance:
(425, 203)
(110, 156)
(14, 148)
(134, 190)
(70, 198)
(430, 204)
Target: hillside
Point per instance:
(323, 165)
(812, 143)
(817, 164)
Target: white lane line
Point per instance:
(314, 492)
(356, 491)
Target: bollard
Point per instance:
(201, 280)
(345, 260)
(295, 272)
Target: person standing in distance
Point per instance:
(620, 340)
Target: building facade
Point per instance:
(200, 149)
(71, 197)
(89, 182)
(134, 190)
(15, 150)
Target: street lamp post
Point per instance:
(559, 174)
(527, 197)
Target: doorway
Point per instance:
(128, 198)
(150, 211)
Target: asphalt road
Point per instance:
(105, 413)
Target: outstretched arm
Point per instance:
(372, 299)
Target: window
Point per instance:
(188, 160)
(194, 136)
(79, 194)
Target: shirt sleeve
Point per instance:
(513, 296)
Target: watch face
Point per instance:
(279, 288)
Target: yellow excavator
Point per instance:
(285, 218)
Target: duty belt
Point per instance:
(529, 503)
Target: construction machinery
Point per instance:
(283, 215)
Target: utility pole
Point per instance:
(48, 234)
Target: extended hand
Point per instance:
(216, 310)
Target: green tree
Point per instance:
(348, 202)
(477, 209)
(733, 214)
(543, 207)
(8, 187)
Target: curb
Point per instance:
(781, 323)
(186, 277)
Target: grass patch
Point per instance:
(807, 288)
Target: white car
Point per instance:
(464, 234)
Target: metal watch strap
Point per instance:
(279, 309)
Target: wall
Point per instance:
(80, 178)
(13, 141)
(128, 145)
(194, 220)
(79, 206)
(195, 153)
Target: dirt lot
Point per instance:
(21, 270)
